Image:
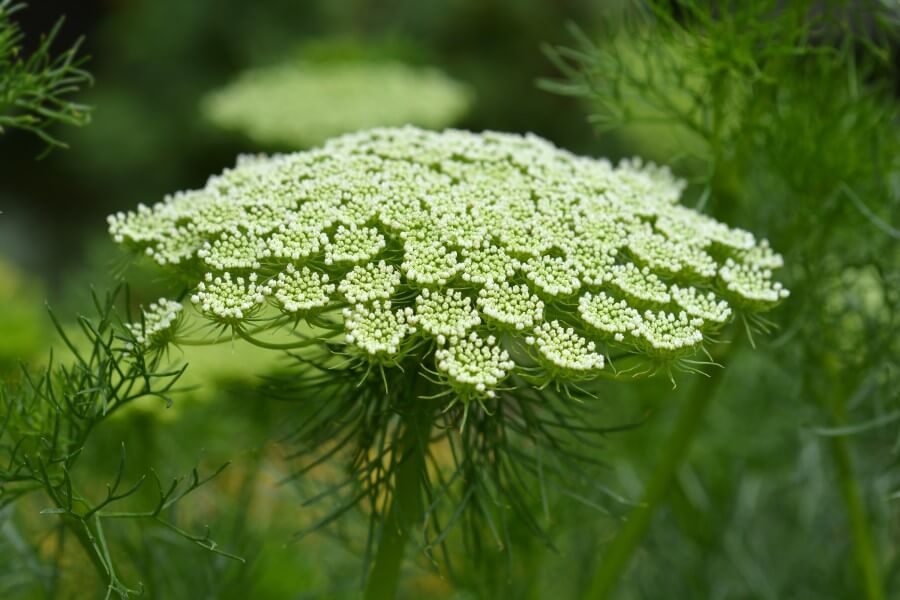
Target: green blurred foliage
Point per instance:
(22, 318)
(785, 118)
(299, 104)
(36, 84)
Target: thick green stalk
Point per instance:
(628, 539)
(407, 508)
(863, 546)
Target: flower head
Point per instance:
(157, 323)
(474, 365)
(298, 105)
(227, 298)
(483, 245)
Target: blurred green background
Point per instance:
(757, 509)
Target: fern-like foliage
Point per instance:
(784, 116)
(784, 119)
(35, 90)
(47, 418)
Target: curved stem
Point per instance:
(863, 545)
(406, 510)
(224, 339)
(78, 528)
(629, 537)
(277, 346)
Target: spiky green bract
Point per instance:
(35, 88)
(485, 466)
(48, 418)
(491, 272)
(298, 105)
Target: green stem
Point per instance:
(407, 508)
(863, 545)
(78, 528)
(629, 537)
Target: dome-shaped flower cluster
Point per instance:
(565, 349)
(299, 105)
(158, 321)
(230, 299)
(608, 315)
(445, 314)
(751, 285)
(302, 289)
(378, 328)
(372, 281)
(667, 335)
(484, 246)
(474, 365)
(510, 304)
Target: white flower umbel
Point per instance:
(512, 305)
(374, 281)
(445, 314)
(564, 351)
(377, 328)
(159, 320)
(512, 266)
(230, 299)
(474, 365)
(297, 105)
(750, 285)
(302, 289)
(461, 233)
(667, 335)
(608, 315)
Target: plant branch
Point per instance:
(864, 551)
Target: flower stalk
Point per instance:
(407, 508)
(864, 552)
(618, 556)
